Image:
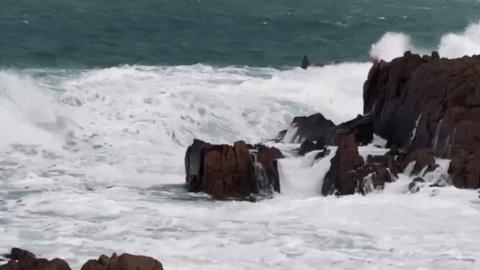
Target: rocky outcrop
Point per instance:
(429, 103)
(232, 172)
(349, 173)
(343, 177)
(361, 126)
(20, 259)
(317, 128)
(123, 262)
(312, 128)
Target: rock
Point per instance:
(416, 185)
(429, 103)
(342, 177)
(17, 254)
(194, 165)
(313, 128)
(362, 127)
(25, 260)
(325, 152)
(123, 262)
(268, 156)
(305, 62)
(423, 160)
(388, 161)
(316, 128)
(380, 176)
(228, 172)
(232, 172)
(309, 146)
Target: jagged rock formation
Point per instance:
(349, 173)
(317, 128)
(232, 172)
(312, 128)
(430, 103)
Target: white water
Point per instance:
(91, 162)
(451, 45)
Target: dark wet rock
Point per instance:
(313, 128)
(305, 62)
(361, 126)
(316, 128)
(323, 153)
(388, 161)
(423, 160)
(123, 262)
(342, 177)
(232, 172)
(349, 173)
(416, 185)
(20, 259)
(194, 165)
(18, 254)
(268, 156)
(429, 103)
(309, 146)
(380, 176)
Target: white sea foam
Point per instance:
(390, 46)
(451, 45)
(92, 162)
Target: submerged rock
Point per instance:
(123, 262)
(232, 172)
(20, 259)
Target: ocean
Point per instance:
(99, 101)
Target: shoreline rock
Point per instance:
(20, 259)
(238, 172)
(429, 103)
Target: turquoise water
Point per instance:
(100, 33)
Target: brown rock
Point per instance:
(423, 159)
(123, 262)
(26, 260)
(429, 103)
(341, 178)
(227, 172)
(313, 128)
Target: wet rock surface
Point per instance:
(123, 262)
(232, 172)
(20, 259)
(429, 103)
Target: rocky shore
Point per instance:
(423, 107)
(19, 259)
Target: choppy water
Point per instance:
(95, 123)
(59, 33)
